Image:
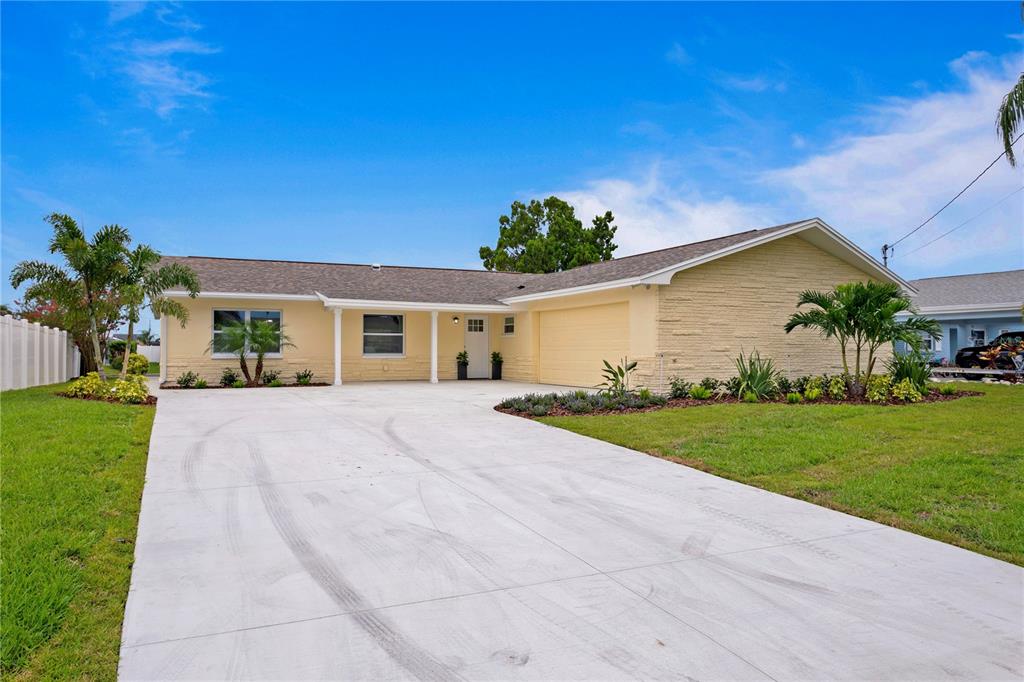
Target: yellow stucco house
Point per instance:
(683, 311)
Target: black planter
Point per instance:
(463, 370)
(496, 371)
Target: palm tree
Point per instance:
(831, 317)
(255, 336)
(1011, 114)
(877, 319)
(147, 337)
(143, 281)
(95, 267)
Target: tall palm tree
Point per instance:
(831, 317)
(1010, 117)
(95, 266)
(877, 319)
(143, 285)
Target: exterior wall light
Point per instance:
(455, 319)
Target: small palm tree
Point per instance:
(245, 338)
(147, 337)
(1010, 117)
(94, 269)
(831, 317)
(144, 282)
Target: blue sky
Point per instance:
(399, 133)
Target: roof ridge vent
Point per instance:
(375, 267)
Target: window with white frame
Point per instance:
(978, 337)
(384, 335)
(509, 326)
(223, 319)
(474, 325)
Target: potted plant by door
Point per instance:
(496, 361)
(462, 360)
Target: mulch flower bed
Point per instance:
(171, 386)
(559, 411)
(150, 400)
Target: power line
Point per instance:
(964, 222)
(887, 248)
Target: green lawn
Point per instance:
(72, 474)
(953, 470)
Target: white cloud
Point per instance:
(119, 11)
(678, 55)
(165, 87)
(751, 83)
(798, 141)
(162, 48)
(652, 213)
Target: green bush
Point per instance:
(131, 390)
(750, 397)
(801, 383)
(794, 398)
(679, 388)
(879, 388)
(812, 394)
(709, 383)
(270, 376)
(731, 386)
(911, 366)
(836, 387)
(201, 383)
(115, 351)
(228, 377)
(89, 386)
(188, 379)
(137, 364)
(785, 385)
(275, 383)
(814, 382)
(238, 383)
(539, 410)
(757, 375)
(905, 390)
(304, 378)
(644, 394)
(947, 389)
(701, 392)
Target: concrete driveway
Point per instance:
(400, 530)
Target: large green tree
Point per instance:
(143, 285)
(94, 268)
(548, 237)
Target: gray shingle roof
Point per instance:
(431, 285)
(980, 289)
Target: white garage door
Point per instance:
(574, 342)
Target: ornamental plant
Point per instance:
(304, 378)
(679, 388)
(794, 398)
(187, 379)
(757, 375)
(137, 364)
(905, 390)
(130, 391)
(88, 386)
(878, 388)
(836, 387)
(701, 392)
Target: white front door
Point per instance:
(478, 347)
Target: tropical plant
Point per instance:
(94, 268)
(496, 358)
(228, 376)
(784, 384)
(137, 364)
(88, 386)
(836, 387)
(275, 383)
(710, 383)
(239, 384)
(757, 375)
(304, 378)
(146, 337)
(200, 383)
(794, 398)
(256, 337)
(271, 375)
(462, 357)
(905, 390)
(879, 387)
(548, 237)
(616, 378)
(812, 394)
(1010, 116)
(947, 389)
(130, 391)
(187, 379)
(912, 366)
(750, 397)
(142, 285)
(700, 392)
(678, 388)
(730, 387)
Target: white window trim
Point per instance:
(504, 322)
(233, 356)
(365, 333)
(984, 336)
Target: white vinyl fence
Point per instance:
(34, 355)
(152, 353)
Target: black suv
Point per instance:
(968, 357)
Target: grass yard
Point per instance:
(953, 471)
(72, 474)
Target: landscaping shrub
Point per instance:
(947, 389)
(905, 390)
(878, 389)
(137, 364)
(200, 383)
(801, 383)
(89, 386)
(304, 378)
(115, 351)
(238, 383)
(130, 390)
(750, 397)
(911, 366)
(710, 383)
(814, 382)
(836, 387)
(188, 379)
(794, 398)
(812, 394)
(270, 376)
(679, 388)
(731, 387)
(275, 383)
(228, 377)
(616, 379)
(539, 410)
(701, 392)
(757, 375)
(785, 386)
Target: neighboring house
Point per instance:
(972, 309)
(683, 311)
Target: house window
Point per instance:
(509, 327)
(384, 335)
(474, 325)
(222, 319)
(978, 337)
(926, 344)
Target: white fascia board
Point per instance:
(998, 309)
(363, 304)
(584, 289)
(244, 295)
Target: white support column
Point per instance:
(163, 348)
(37, 358)
(433, 346)
(337, 346)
